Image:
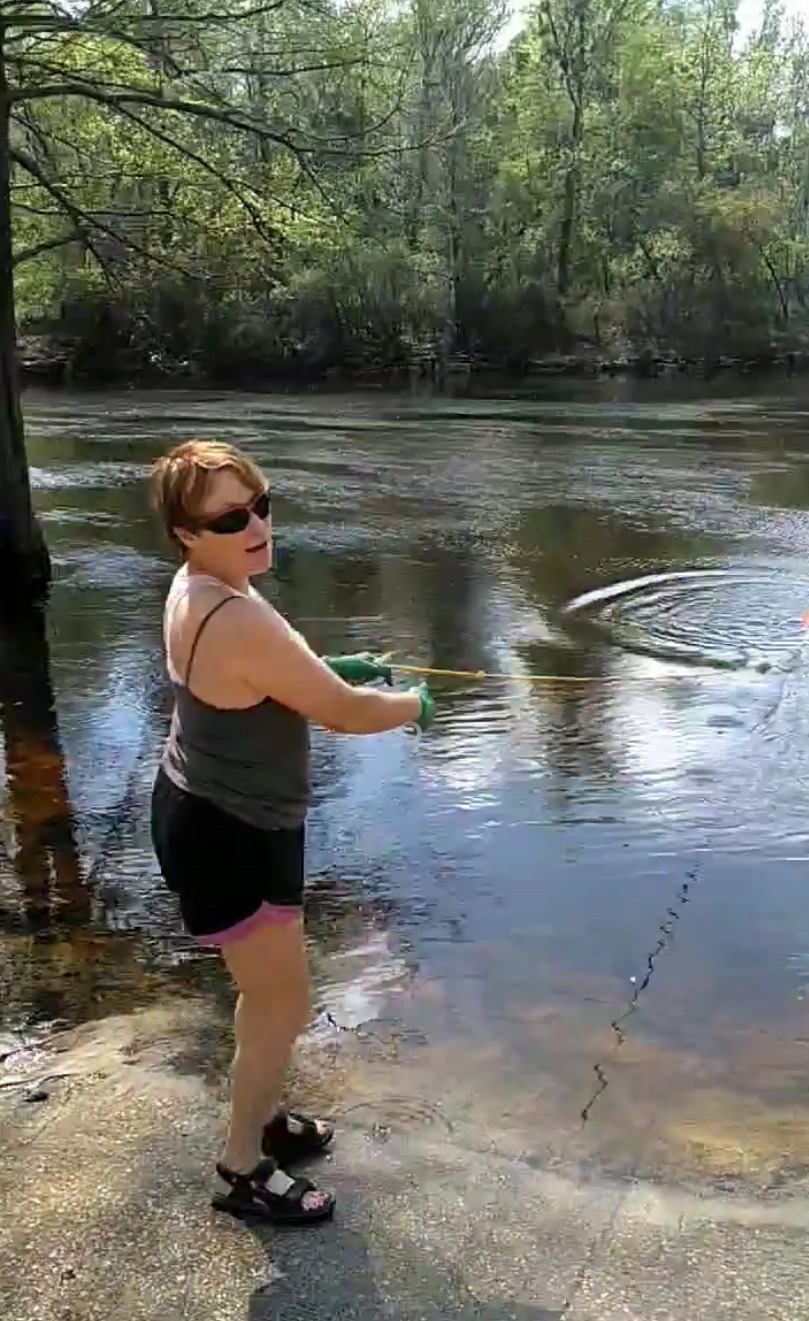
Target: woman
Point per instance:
(231, 795)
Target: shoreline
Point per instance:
(109, 1175)
(49, 365)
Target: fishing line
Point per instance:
(666, 930)
(414, 732)
(481, 675)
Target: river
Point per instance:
(575, 912)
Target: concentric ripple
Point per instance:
(721, 618)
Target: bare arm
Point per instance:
(278, 663)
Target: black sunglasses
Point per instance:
(236, 520)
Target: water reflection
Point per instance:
(41, 856)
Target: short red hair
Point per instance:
(180, 480)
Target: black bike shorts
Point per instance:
(231, 877)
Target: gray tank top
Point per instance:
(252, 762)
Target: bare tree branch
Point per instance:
(84, 156)
(562, 55)
(23, 120)
(47, 245)
(228, 184)
(197, 109)
(118, 213)
(63, 21)
(179, 105)
(86, 222)
(39, 66)
(49, 212)
(779, 288)
(247, 71)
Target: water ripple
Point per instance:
(721, 618)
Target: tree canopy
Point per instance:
(250, 187)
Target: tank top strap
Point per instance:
(232, 596)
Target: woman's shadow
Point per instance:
(331, 1274)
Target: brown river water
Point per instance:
(577, 914)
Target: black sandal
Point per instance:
(286, 1146)
(250, 1198)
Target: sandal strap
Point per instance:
(262, 1172)
(298, 1188)
(282, 1116)
(311, 1131)
(257, 1194)
(256, 1180)
(250, 1197)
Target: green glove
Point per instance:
(426, 715)
(360, 668)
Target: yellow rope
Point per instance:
(487, 674)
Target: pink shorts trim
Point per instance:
(266, 915)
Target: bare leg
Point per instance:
(270, 969)
(262, 1055)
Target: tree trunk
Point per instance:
(575, 79)
(24, 560)
(567, 229)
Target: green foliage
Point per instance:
(375, 183)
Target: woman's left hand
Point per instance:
(362, 667)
